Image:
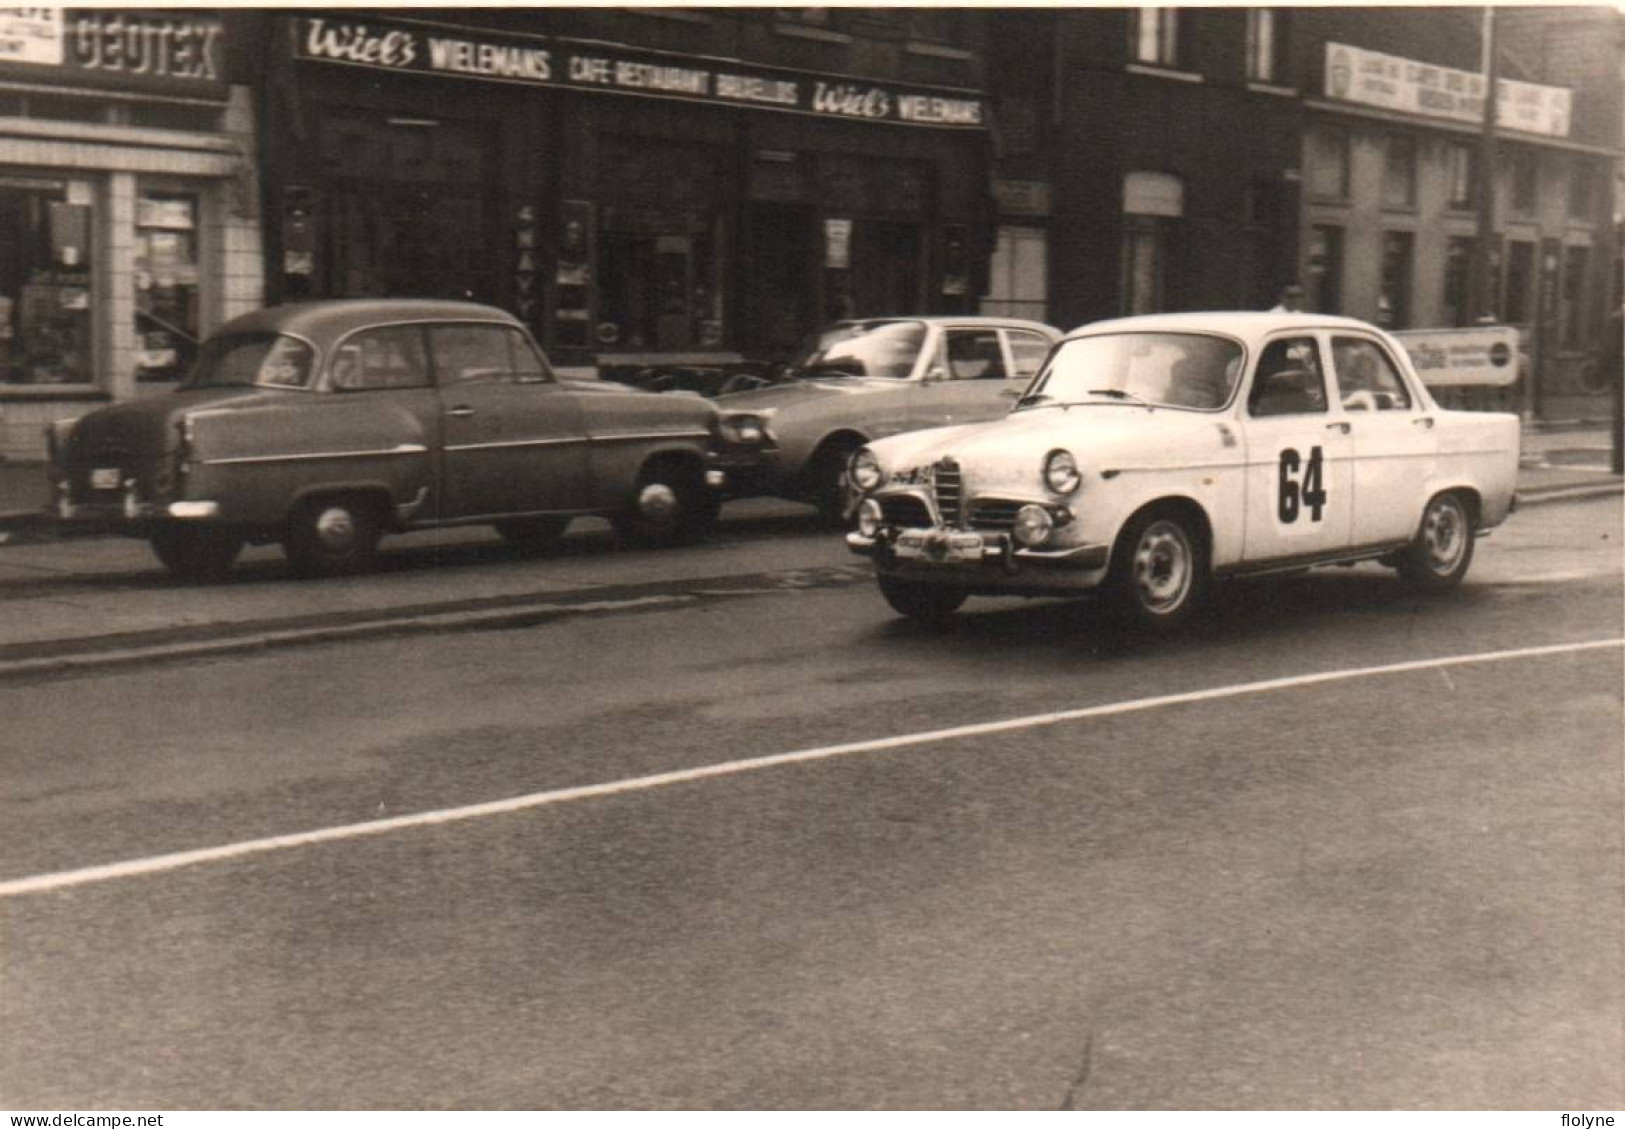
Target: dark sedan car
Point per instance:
(325, 425)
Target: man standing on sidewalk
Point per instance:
(1612, 361)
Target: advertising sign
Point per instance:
(1372, 78)
(1480, 356)
(429, 49)
(173, 52)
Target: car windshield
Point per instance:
(1175, 370)
(252, 360)
(887, 349)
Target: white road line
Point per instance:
(157, 864)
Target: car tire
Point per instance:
(1158, 577)
(331, 537)
(923, 603)
(669, 506)
(195, 552)
(532, 534)
(826, 485)
(1442, 550)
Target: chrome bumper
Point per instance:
(956, 547)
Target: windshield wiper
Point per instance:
(1033, 398)
(1115, 394)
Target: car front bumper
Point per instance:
(980, 559)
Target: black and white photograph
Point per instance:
(861, 558)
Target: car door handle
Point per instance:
(1424, 421)
(460, 411)
(1341, 425)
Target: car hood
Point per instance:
(1092, 432)
(147, 426)
(776, 397)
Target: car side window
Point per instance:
(1367, 380)
(464, 354)
(975, 354)
(1027, 352)
(384, 358)
(1289, 380)
(527, 364)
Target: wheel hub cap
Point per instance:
(1444, 532)
(658, 502)
(335, 528)
(1162, 567)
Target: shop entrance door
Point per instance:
(886, 277)
(779, 295)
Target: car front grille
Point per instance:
(993, 513)
(949, 488)
(905, 510)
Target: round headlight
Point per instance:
(1061, 472)
(744, 429)
(869, 517)
(1033, 526)
(864, 470)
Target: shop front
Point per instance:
(635, 207)
(127, 226)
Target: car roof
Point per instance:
(1248, 325)
(971, 321)
(326, 320)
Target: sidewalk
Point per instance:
(1561, 457)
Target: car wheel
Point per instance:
(331, 537)
(923, 603)
(1159, 573)
(196, 553)
(532, 534)
(669, 506)
(827, 486)
(1442, 550)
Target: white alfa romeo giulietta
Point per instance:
(1150, 455)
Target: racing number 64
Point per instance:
(1295, 495)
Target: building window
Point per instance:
(1394, 303)
(1458, 267)
(1580, 192)
(1017, 274)
(1329, 163)
(810, 17)
(1462, 173)
(1152, 206)
(166, 284)
(1525, 182)
(1266, 41)
(1399, 171)
(937, 25)
(1520, 278)
(45, 282)
(1154, 36)
(1576, 260)
(1324, 281)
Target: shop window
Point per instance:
(1329, 163)
(1399, 171)
(1017, 274)
(1581, 179)
(1325, 276)
(1576, 261)
(1520, 278)
(1394, 303)
(1154, 36)
(1462, 171)
(1523, 172)
(1266, 43)
(1458, 267)
(45, 296)
(166, 285)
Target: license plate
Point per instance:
(937, 546)
(104, 478)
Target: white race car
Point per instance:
(1151, 454)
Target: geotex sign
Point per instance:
(427, 49)
(173, 52)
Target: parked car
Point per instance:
(857, 381)
(325, 425)
(1152, 454)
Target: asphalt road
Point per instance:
(1340, 847)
